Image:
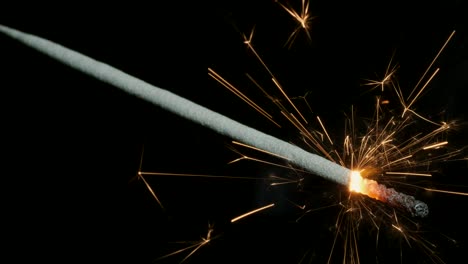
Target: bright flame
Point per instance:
(365, 186)
(356, 182)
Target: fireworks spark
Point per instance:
(251, 212)
(194, 246)
(303, 19)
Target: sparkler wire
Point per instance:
(183, 107)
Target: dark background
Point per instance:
(72, 145)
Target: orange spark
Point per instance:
(436, 145)
(251, 212)
(303, 19)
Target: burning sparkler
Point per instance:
(380, 155)
(380, 192)
(375, 151)
(313, 163)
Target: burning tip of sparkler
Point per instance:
(356, 182)
(359, 184)
(373, 189)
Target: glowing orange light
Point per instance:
(365, 186)
(356, 182)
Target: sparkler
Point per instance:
(313, 163)
(294, 155)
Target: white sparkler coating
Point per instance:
(183, 107)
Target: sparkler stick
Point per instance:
(217, 122)
(183, 107)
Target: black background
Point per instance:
(72, 145)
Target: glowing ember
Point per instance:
(362, 185)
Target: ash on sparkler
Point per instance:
(382, 193)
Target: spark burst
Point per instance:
(393, 148)
(398, 145)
